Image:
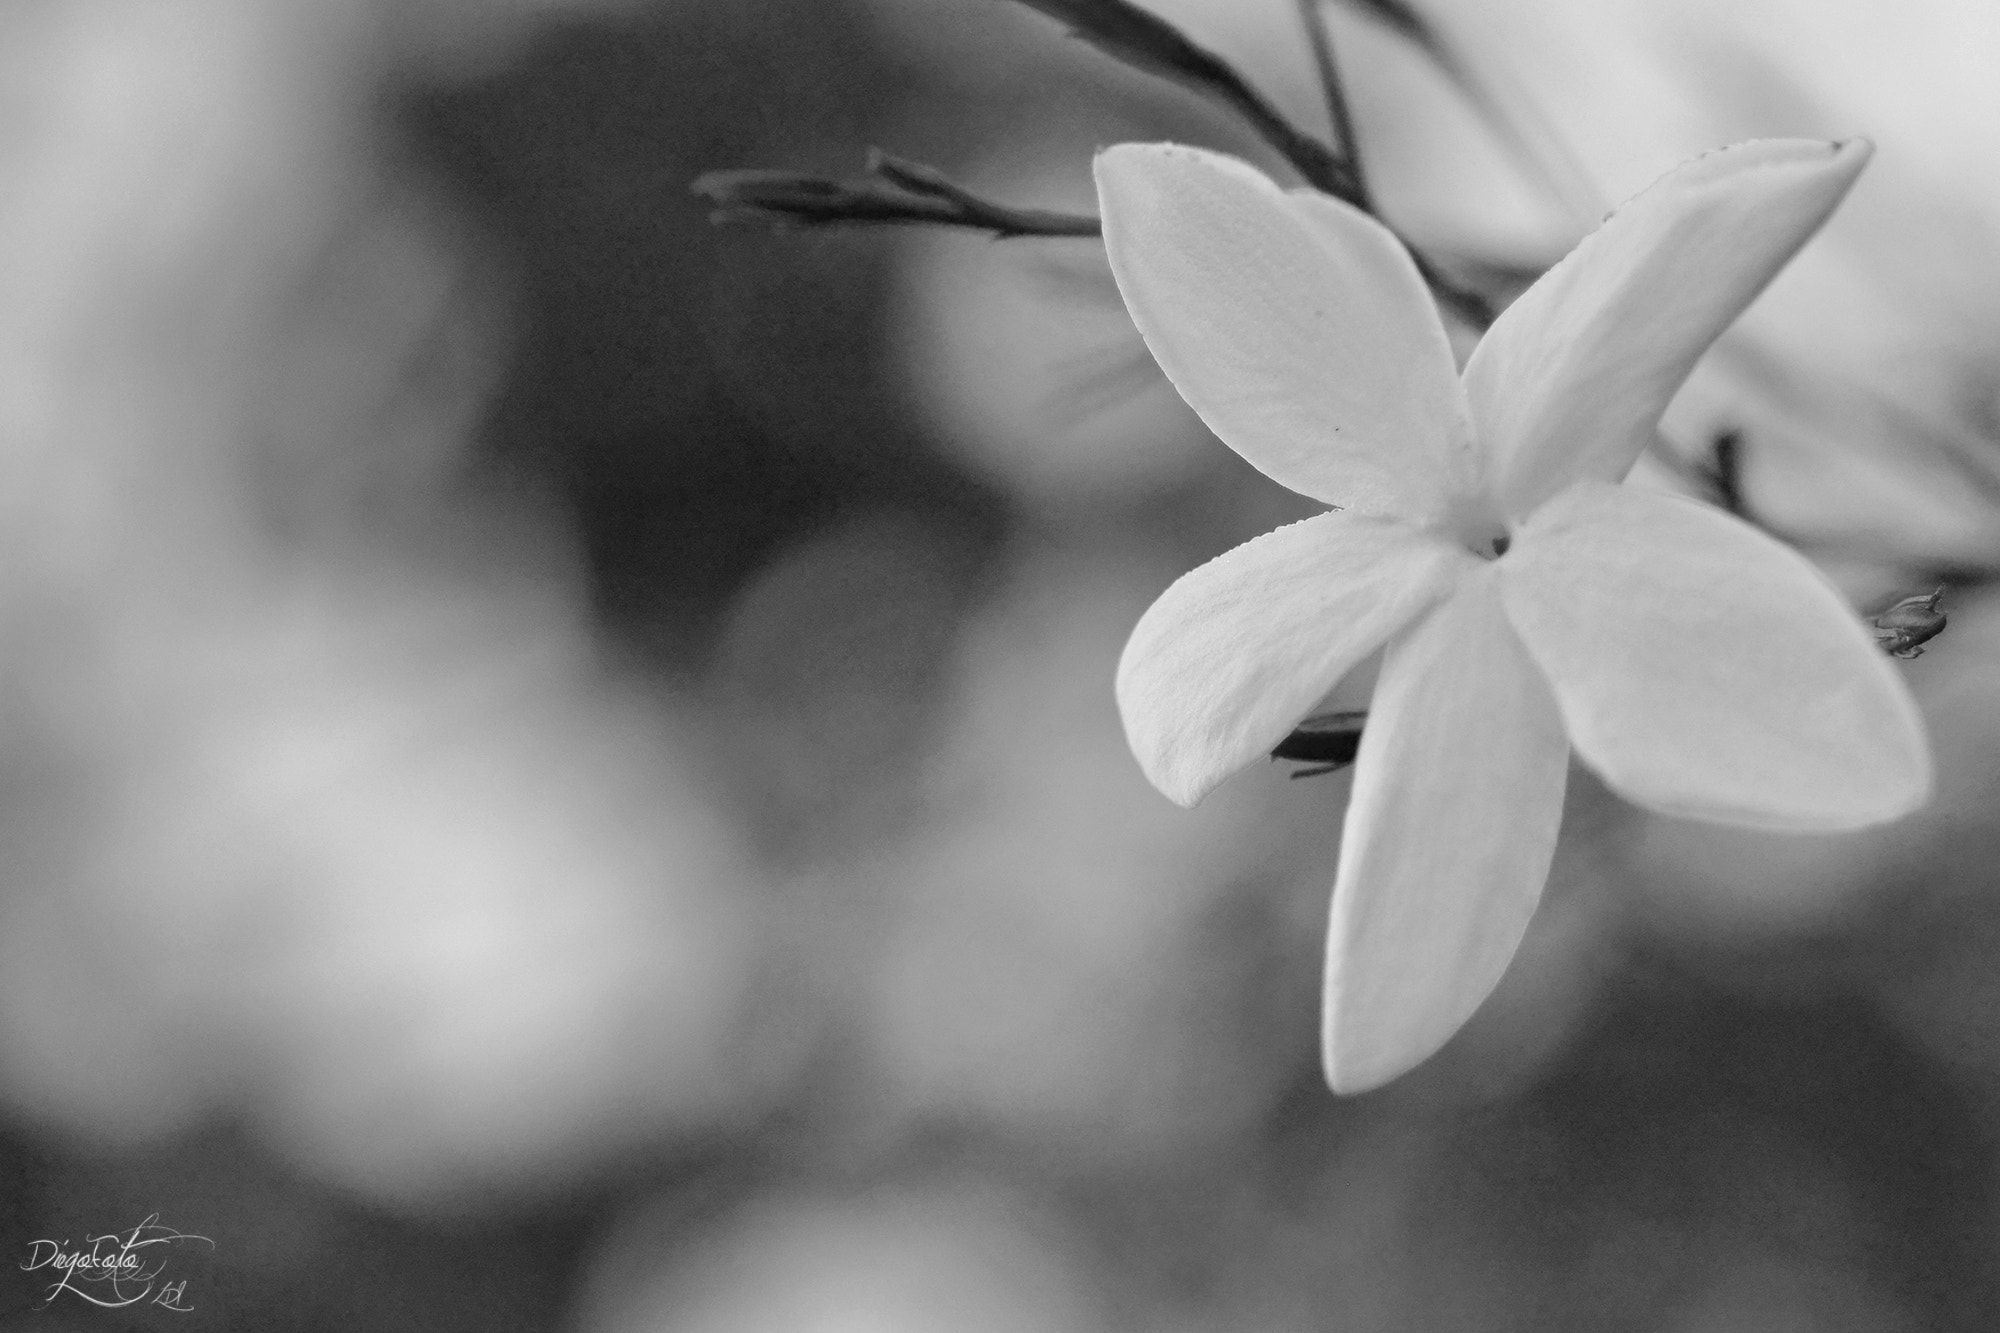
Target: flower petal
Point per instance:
(1706, 670)
(1296, 327)
(1231, 656)
(1457, 797)
(1570, 382)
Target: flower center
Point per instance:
(1475, 523)
(1486, 539)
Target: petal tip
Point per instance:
(1183, 789)
(1118, 152)
(1900, 782)
(1907, 790)
(1892, 797)
(1108, 164)
(1161, 151)
(1355, 1061)
(1164, 756)
(1350, 1074)
(1826, 164)
(1906, 778)
(1133, 175)
(1124, 165)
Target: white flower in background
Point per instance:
(1528, 603)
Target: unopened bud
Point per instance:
(1907, 626)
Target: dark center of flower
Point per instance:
(1478, 527)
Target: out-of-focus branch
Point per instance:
(1903, 629)
(1313, 19)
(1402, 19)
(1517, 123)
(1147, 42)
(894, 192)
(897, 192)
(1717, 475)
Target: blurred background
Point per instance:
(558, 767)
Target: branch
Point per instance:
(1345, 140)
(1718, 476)
(1147, 42)
(894, 192)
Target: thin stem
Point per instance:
(1345, 140)
(1143, 40)
(895, 192)
(1718, 475)
(927, 181)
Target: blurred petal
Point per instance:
(1457, 797)
(1296, 327)
(1231, 656)
(1705, 670)
(1571, 381)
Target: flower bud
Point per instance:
(1905, 627)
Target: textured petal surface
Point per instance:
(1296, 327)
(1231, 656)
(1705, 670)
(1458, 794)
(1570, 382)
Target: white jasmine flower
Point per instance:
(1528, 603)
